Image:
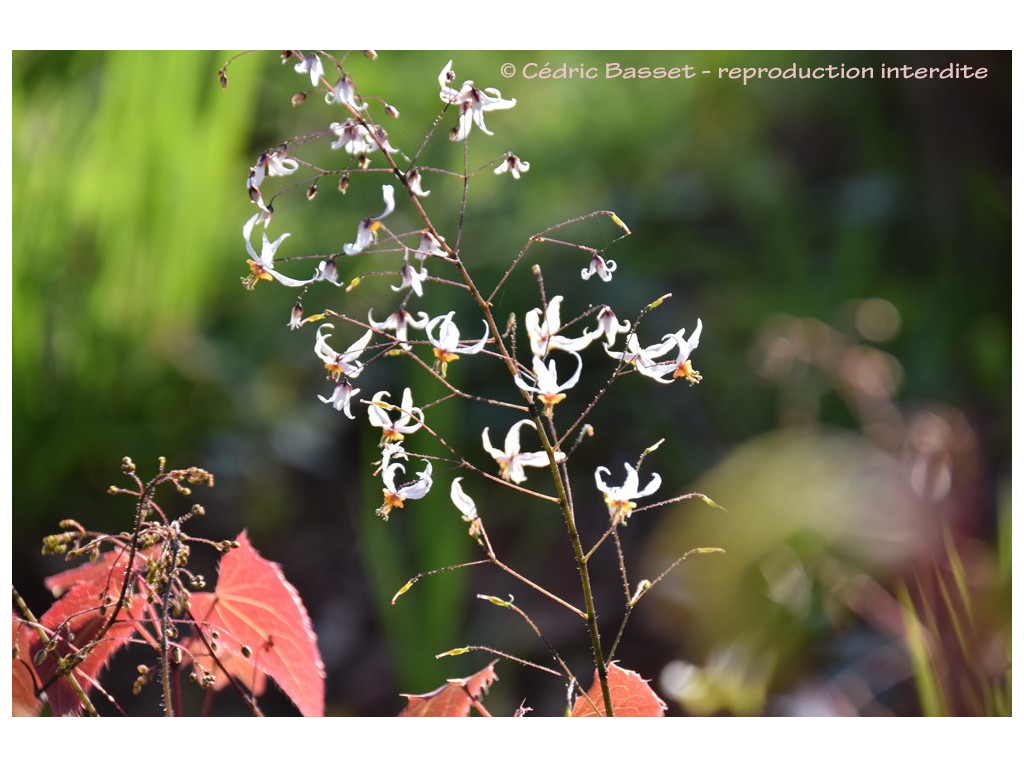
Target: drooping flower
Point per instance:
(295, 318)
(327, 271)
(472, 102)
(411, 277)
(366, 233)
(467, 507)
(512, 165)
(399, 322)
(396, 497)
(620, 500)
(429, 246)
(542, 328)
(512, 460)
(608, 325)
(600, 267)
(668, 371)
(273, 162)
(341, 363)
(262, 264)
(447, 346)
(547, 388)
(391, 452)
(415, 181)
(353, 137)
(341, 398)
(312, 65)
(394, 430)
(344, 92)
(643, 358)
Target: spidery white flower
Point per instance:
(512, 460)
(408, 421)
(512, 165)
(472, 103)
(344, 92)
(366, 233)
(643, 358)
(411, 277)
(608, 325)
(399, 322)
(353, 137)
(668, 371)
(429, 246)
(415, 181)
(447, 346)
(542, 328)
(396, 497)
(547, 388)
(341, 398)
(273, 162)
(600, 267)
(620, 500)
(341, 363)
(311, 65)
(467, 507)
(262, 264)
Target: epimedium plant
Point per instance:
(138, 588)
(427, 269)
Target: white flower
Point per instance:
(366, 233)
(341, 398)
(447, 346)
(513, 165)
(399, 321)
(341, 363)
(600, 267)
(429, 246)
(609, 326)
(415, 181)
(353, 137)
(410, 420)
(512, 460)
(313, 66)
(344, 92)
(472, 103)
(411, 278)
(327, 271)
(668, 371)
(295, 318)
(467, 507)
(643, 358)
(620, 500)
(396, 497)
(391, 452)
(262, 265)
(548, 390)
(273, 162)
(543, 333)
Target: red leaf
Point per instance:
(631, 696)
(454, 698)
(78, 611)
(24, 702)
(255, 606)
(97, 571)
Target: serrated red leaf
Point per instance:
(453, 699)
(255, 606)
(97, 571)
(78, 610)
(24, 702)
(631, 696)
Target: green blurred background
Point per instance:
(846, 243)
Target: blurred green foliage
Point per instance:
(132, 334)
